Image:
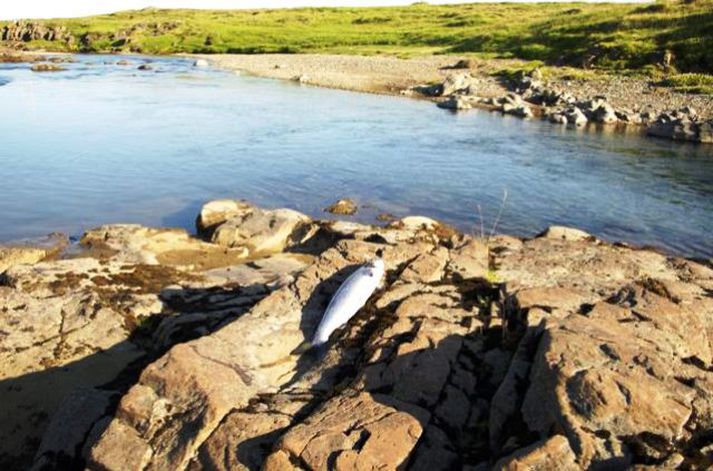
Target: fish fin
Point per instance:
(302, 348)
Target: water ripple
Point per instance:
(101, 142)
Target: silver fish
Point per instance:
(349, 298)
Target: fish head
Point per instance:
(376, 267)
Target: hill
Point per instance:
(665, 34)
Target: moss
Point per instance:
(492, 277)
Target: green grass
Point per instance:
(690, 83)
(613, 37)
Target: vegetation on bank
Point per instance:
(675, 35)
(690, 83)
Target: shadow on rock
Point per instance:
(312, 314)
(49, 414)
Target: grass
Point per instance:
(612, 37)
(690, 83)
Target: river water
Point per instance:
(106, 143)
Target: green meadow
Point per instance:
(611, 37)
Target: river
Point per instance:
(106, 143)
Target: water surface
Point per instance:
(105, 143)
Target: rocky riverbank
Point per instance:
(622, 104)
(461, 83)
(148, 348)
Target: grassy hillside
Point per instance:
(610, 36)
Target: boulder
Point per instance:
(302, 78)
(47, 68)
(262, 232)
(522, 111)
(345, 207)
(357, 431)
(512, 103)
(557, 118)
(629, 117)
(605, 114)
(681, 125)
(415, 222)
(456, 83)
(705, 132)
(575, 116)
(216, 212)
(469, 260)
(566, 233)
(32, 251)
(619, 382)
(241, 226)
(456, 102)
(552, 453)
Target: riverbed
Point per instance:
(103, 142)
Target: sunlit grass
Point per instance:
(690, 83)
(614, 37)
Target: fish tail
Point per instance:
(302, 348)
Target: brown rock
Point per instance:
(241, 441)
(441, 369)
(262, 232)
(553, 453)
(121, 449)
(597, 373)
(470, 260)
(566, 233)
(344, 207)
(216, 212)
(385, 217)
(31, 251)
(10, 256)
(201, 381)
(47, 68)
(426, 268)
(364, 431)
(238, 224)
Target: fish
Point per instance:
(349, 298)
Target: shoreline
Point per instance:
(152, 321)
(572, 97)
(627, 104)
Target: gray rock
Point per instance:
(456, 102)
(677, 126)
(629, 117)
(557, 118)
(605, 114)
(456, 83)
(576, 116)
(705, 132)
